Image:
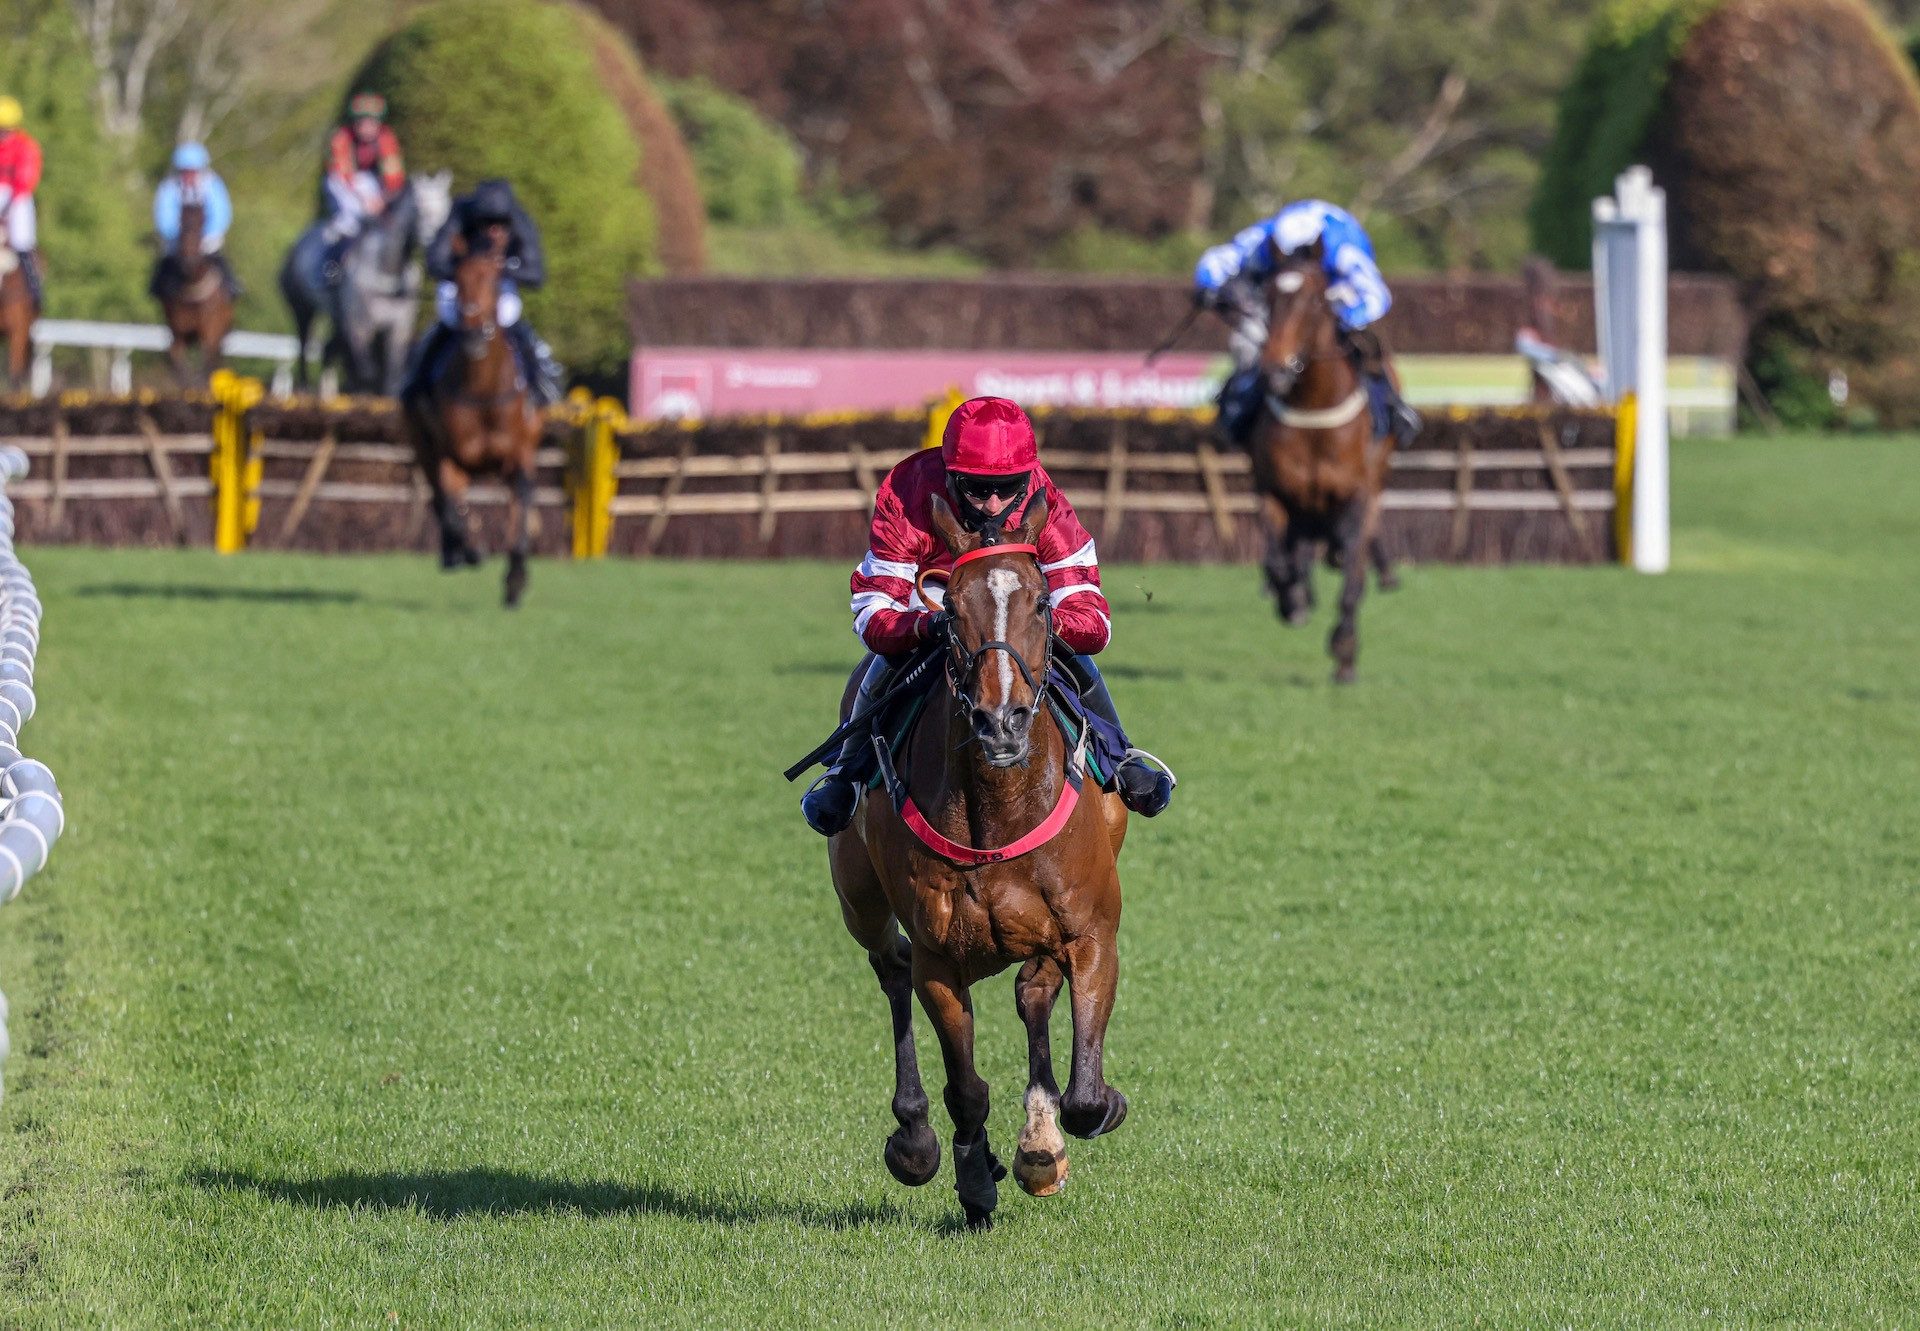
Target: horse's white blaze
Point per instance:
(1290, 282)
(1003, 583)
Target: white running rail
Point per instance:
(31, 816)
(125, 339)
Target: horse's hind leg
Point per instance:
(520, 514)
(1090, 1106)
(1352, 537)
(975, 1170)
(912, 1151)
(1040, 1162)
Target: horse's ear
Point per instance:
(948, 526)
(1034, 520)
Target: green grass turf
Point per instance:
(409, 960)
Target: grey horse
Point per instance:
(374, 304)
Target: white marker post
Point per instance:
(1630, 309)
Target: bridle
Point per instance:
(1281, 380)
(962, 666)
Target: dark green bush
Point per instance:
(507, 88)
(1605, 115)
(749, 168)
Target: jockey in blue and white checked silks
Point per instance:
(1231, 279)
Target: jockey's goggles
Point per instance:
(979, 489)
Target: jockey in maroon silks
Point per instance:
(988, 469)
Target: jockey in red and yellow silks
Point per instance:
(365, 169)
(988, 469)
(19, 178)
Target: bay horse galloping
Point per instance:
(474, 414)
(18, 310)
(989, 853)
(1317, 458)
(194, 298)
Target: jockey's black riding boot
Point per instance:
(232, 279)
(829, 803)
(543, 372)
(36, 281)
(425, 352)
(1147, 790)
(1402, 421)
(1239, 401)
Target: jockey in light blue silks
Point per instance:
(1231, 279)
(192, 180)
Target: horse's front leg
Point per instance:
(519, 518)
(975, 1169)
(177, 358)
(450, 507)
(1090, 1106)
(1353, 537)
(1040, 1162)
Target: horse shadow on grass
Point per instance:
(458, 1193)
(194, 591)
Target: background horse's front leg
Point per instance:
(1353, 538)
(519, 518)
(975, 1170)
(1090, 1106)
(1040, 1162)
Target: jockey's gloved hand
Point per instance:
(937, 626)
(1205, 299)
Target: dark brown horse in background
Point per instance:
(1316, 457)
(195, 301)
(18, 310)
(986, 764)
(476, 416)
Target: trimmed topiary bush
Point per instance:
(1790, 150)
(666, 166)
(509, 88)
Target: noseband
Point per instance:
(962, 665)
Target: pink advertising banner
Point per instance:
(697, 382)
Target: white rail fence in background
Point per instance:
(31, 816)
(122, 340)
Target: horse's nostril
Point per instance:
(982, 721)
(1020, 718)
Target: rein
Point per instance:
(968, 662)
(1325, 418)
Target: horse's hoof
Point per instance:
(1388, 582)
(978, 1221)
(1294, 618)
(1041, 1173)
(1344, 675)
(470, 557)
(913, 1158)
(1096, 1119)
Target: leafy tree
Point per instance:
(1604, 118)
(88, 228)
(502, 88)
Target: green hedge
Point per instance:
(1604, 118)
(509, 88)
(749, 168)
(90, 223)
